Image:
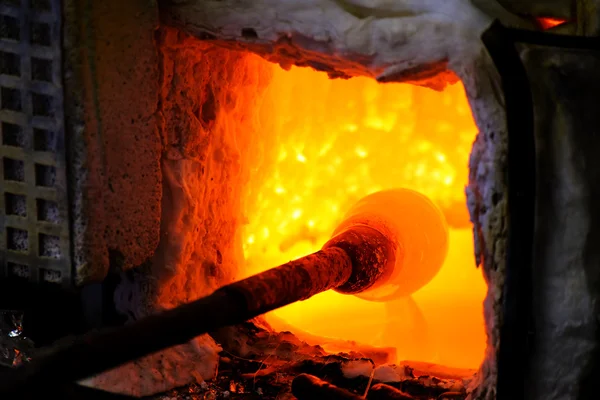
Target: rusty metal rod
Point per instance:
(354, 260)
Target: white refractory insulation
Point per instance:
(388, 40)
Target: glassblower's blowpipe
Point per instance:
(390, 244)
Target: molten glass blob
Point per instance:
(323, 145)
(417, 228)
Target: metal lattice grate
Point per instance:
(34, 221)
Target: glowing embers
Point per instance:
(328, 143)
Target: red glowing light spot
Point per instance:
(549, 23)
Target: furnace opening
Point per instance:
(327, 143)
(262, 164)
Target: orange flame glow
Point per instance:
(549, 23)
(332, 142)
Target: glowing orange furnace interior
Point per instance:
(336, 141)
